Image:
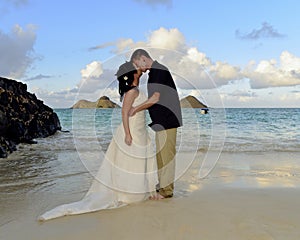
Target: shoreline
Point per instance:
(246, 196)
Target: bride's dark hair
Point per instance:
(125, 76)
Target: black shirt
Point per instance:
(166, 113)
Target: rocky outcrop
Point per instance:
(84, 104)
(191, 102)
(23, 117)
(105, 102)
(102, 102)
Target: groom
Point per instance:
(166, 118)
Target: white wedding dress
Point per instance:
(126, 175)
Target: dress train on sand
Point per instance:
(126, 175)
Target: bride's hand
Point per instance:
(154, 98)
(128, 139)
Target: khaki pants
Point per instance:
(165, 157)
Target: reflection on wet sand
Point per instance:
(253, 170)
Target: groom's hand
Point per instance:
(132, 111)
(128, 139)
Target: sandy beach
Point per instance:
(246, 196)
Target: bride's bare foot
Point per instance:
(157, 196)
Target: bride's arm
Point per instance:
(145, 105)
(127, 105)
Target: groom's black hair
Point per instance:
(125, 76)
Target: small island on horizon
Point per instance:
(105, 102)
(102, 102)
(191, 102)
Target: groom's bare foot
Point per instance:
(152, 198)
(159, 197)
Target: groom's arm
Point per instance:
(145, 105)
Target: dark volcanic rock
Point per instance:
(23, 117)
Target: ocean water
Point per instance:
(262, 129)
(33, 178)
(235, 129)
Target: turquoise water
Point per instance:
(263, 129)
(238, 129)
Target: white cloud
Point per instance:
(121, 45)
(93, 69)
(239, 95)
(224, 71)
(95, 77)
(124, 44)
(291, 97)
(289, 62)
(190, 67)
(241, 99)
(17, 53)
(201, 72)
(198, 57)
(62, 99)
(171, 39)
(268, 73)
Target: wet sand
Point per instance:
(246, 196)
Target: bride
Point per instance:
(128, 171)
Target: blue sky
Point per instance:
(226, 53)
